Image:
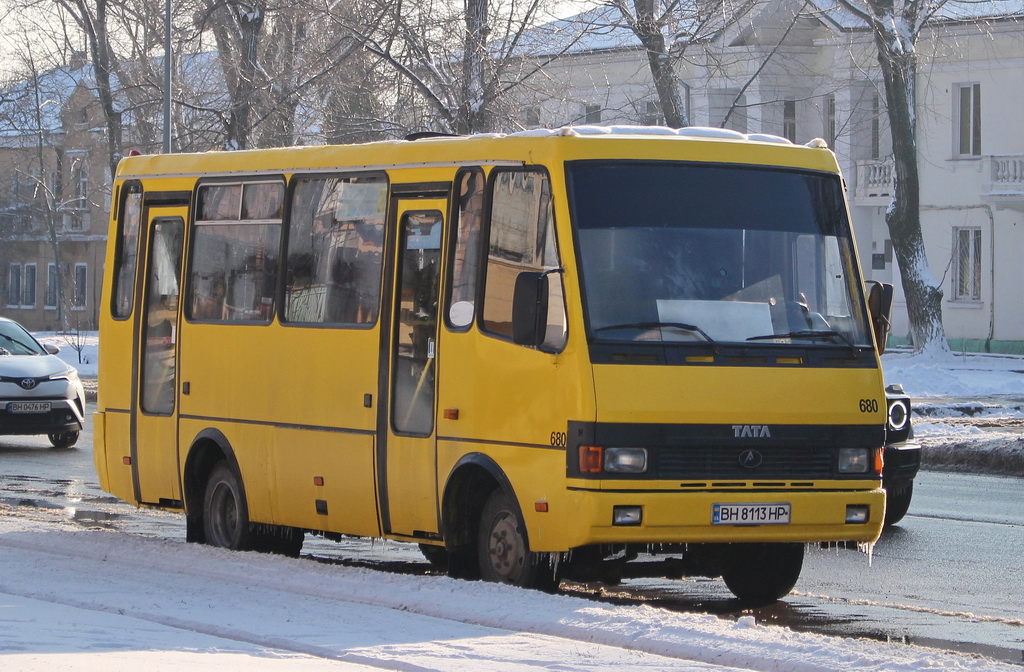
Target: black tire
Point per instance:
(225, 512)
(63, 439)
(762, 573)
(503, 550)
(437, 556)
(897, 501)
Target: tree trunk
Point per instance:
(924, 296)
(473, 114)
(648, 31)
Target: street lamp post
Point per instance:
(167, 77)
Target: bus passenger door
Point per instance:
(409, 495)
(154, 435)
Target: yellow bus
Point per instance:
(538, 356)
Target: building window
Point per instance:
(830, 121)
(876, 131)
(81, 285)
(655, 114)
(28, 287)
(789, 120)
(532, 117)
(968, 119)
(14, 286)
(51, 286)
(966, 264)
(592, 114)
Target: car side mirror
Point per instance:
(51, 349)
(880, 297)
(530, 308)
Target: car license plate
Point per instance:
(28, 407)
(772, 513)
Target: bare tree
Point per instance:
(461, 60)
(665, 28)
(896, 26)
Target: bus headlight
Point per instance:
(854, 460)
(625, 460)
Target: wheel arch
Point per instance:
(471, 481)
(208, 447)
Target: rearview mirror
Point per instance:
(880, 306)
(530, 308)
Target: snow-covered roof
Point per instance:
(953, 10)
(19, 110)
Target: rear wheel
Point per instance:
(63, 439)
(225, 513)
(503, 550)
(762, 573)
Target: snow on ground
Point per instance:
(99, 600)
(968, 408)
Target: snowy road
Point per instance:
(102, 600)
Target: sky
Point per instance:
(99, 600)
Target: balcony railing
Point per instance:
(874, 182)
(1005, 185)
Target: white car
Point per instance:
(39, 392)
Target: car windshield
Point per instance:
(712, 253)
(14, 340)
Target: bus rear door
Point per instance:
(407, 438)
(155, 420)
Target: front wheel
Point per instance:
(762, 573)
(503, 551)
(225, 513)
(63, 439)
(897, 501)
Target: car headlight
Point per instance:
(899, 414)
(70, 375)
(625, 460)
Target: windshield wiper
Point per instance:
(19, 343)
(692, 328)
(811, 334)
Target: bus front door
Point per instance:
(154, 433)
(409, 495)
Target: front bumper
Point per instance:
(686, 517)
(902, 462)
(64, 416)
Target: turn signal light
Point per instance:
(590, 459)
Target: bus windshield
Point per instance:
(691, 252)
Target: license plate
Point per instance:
(28, 407)
(773, 513)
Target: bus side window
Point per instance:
(465, 266)
(130, 218)
(335, 241)
(521, 238)
(233, 272)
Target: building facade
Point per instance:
(54, 199)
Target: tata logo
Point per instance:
(751, 432)
(751, 459)
(28, 383)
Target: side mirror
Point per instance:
(530, 309)
(51, 349)
(880, 306)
